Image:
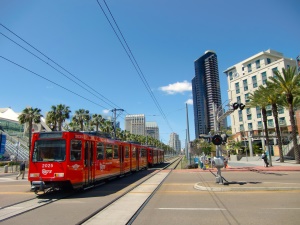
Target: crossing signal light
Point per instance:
(217, 139)
(236, 105)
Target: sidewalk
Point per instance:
(287, 165)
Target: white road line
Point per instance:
(207, 209)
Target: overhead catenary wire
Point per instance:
(133, 61)
(107, 101)
(50, 81)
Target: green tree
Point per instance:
(57, 116)
(30, 115)
(257, 99)
(273, 98)
(288, 83)
(81, 117)
(97, 120)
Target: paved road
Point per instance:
(193, 197)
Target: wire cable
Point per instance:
(51, 81)
(133, 61)
(58, 66)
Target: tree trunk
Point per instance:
(278, 134)
(264, 114)
(294, 135)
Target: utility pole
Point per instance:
(115, 118)
(188, 134)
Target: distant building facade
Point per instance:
(244, 78)
(206, 92)
(174, 142)
(136, 124)
(152, 130)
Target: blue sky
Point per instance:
(164, 36)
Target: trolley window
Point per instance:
(109, 152)
(75, 150)
(116, 152)
(49, 150)
(133, 152)
(100, 151)
(143, 153)
(126, 152)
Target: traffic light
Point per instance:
(236, 105)
(217, 139)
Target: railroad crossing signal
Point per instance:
(236, 105)
(217, 139)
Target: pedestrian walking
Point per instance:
(22, 170)
(265, 159)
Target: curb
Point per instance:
(198, 186)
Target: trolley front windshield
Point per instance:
(49, 151)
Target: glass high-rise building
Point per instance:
(206, 92)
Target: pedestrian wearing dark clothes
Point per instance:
(265, 159)
(22, 170)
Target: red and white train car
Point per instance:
(79, 159)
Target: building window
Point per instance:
(268, 60)
(254, 82)
(237, 88)
(247, 98)
(258, 112)
(249, 117)
(282, 121)
(257, 63)
(230, 76)
(264, 77)
(249, 68)
(259, 124)
(240, 116)
(274, 70)
(245, 84)
(248, 111)
(270, 123)
(280, 110)
(238, 99)
(241, 127)
(250, 127)
(269, 113)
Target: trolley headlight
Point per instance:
(59, 174)
(34, 175)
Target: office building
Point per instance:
(244, 78)
(152, 130)
(174, 142)
(136, 124)
(206, 92)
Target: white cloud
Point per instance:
(178, 87)
(189, 101)
(105, 111)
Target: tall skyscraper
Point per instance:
(174, 142)
(206, 92)
(135, 124)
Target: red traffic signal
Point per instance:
(217, 139)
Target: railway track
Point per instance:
(154, 177)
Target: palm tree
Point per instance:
(257, 99)
(97, 120)
(51, 118)
(288, 84)
(62, 113)
(57, 115)
(30, 115)
(273, 98)
(81, 116)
